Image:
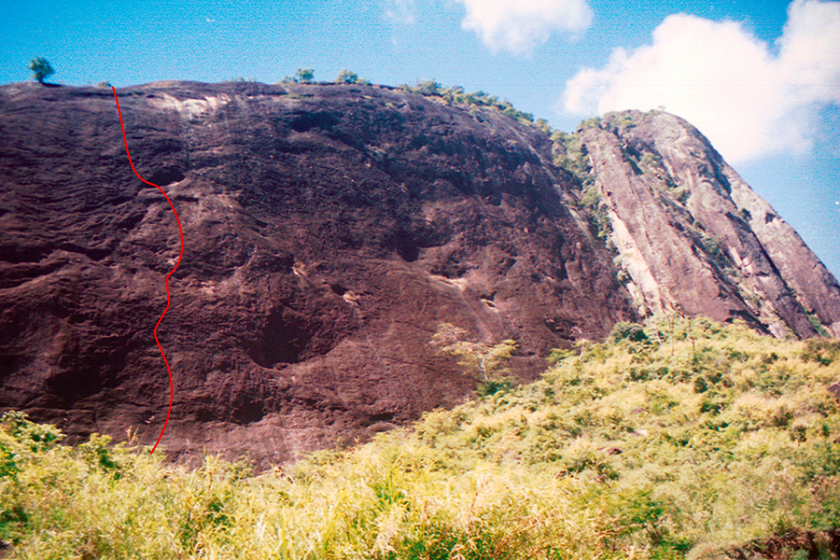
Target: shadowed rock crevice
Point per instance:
(166, 176)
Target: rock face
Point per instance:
(329, 230)
(692, 235)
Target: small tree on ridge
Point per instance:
(346, 77)
(41, 68)
(305, 75)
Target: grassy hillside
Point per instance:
(687, 440)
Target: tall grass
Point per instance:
(706, 439)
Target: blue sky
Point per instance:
(760, 78)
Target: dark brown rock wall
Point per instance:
(328, 231)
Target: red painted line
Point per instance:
(181, 232)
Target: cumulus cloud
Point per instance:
(747, 100)
(519, 26)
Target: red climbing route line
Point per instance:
(181, 232)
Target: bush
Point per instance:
(821, 351)
(428, 87)
(629, 331)
(485, 361)
(37, 437)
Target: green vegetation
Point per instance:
(486, 362)
(822, 351)
(815, 322)
(572, 155)
(652, 165)
(677, 440)
(41, 69)
(623, 120)
(479, 99)
(594, 122)
(302, 76)
(348, 77)
(305, 75)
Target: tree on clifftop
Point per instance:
(41, 68)
(346, 77)
(305, 75)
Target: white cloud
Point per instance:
(521, 25)
(400, 11)
(727, 83)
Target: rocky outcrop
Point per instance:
(329, 230)
(691, 235)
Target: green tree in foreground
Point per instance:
(41, 68)
(485, 361)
